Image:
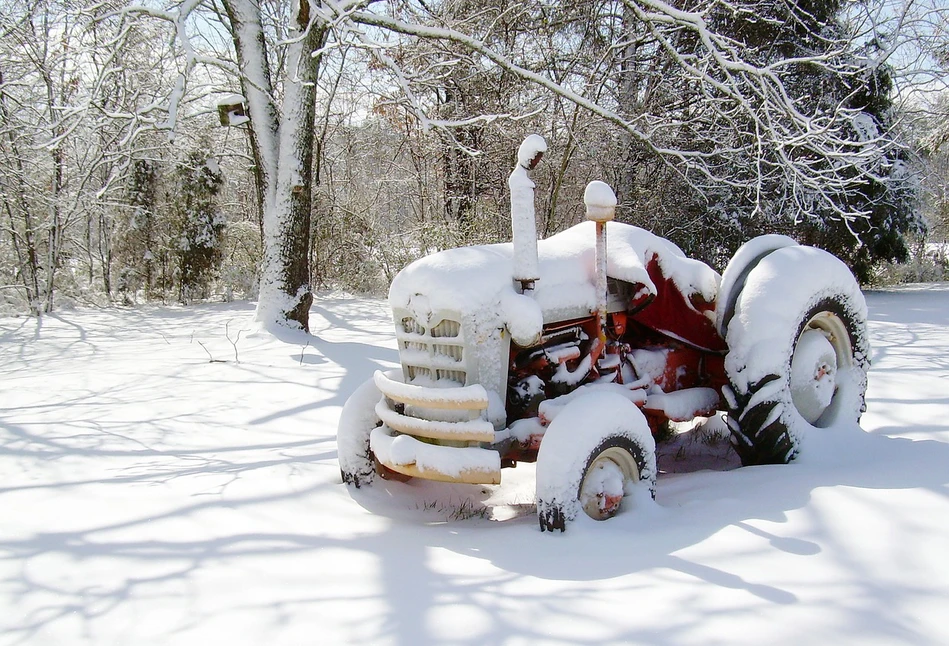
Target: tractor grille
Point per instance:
(431, 353)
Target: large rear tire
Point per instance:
(798, 354)
(593, 453)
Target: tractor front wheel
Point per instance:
(592, 455)
(356, 421)
(611, 468)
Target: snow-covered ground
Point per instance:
(151, 496)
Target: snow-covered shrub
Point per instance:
(239, 276)
(927, 262)
(138, 234)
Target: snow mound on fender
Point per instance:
(738, 268)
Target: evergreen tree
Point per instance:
(200, 223)
(889, 196)
(792, 39)
(135, 236)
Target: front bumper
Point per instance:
(405, 441)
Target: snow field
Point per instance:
(150, 496)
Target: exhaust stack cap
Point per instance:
(600, 201)
(530, 151)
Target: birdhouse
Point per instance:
(232, 111)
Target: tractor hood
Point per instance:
(476, 282)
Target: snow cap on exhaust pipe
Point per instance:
(523, 224)
(600, 201)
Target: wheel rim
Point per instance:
(821, 352)
(604, 483)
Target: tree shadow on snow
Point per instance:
(418, 521)
(357, 360)
(689, 508)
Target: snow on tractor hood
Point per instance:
(476, 282)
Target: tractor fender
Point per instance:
(742, 263)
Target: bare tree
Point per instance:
(74, 100)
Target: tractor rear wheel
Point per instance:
(798, 354)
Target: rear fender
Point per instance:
(742, 263)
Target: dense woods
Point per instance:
(367, 134)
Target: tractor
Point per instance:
(574, 351)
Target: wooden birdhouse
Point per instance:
(232, 110)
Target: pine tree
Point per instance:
(890, 197)
(135, 236)
(711, 224)
(200, 223)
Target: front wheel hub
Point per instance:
(604, 485)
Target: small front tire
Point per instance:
(612, 468)
(356, 421)
(592, 455)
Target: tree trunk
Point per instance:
(283, 152)
(285, 291)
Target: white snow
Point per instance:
(608, 479)
(523, 317)
(436, 394)
(529, 148)
(550, 408)
(682, 405)
(235, 119)
(406, 450)
(231, 99)
(151, 497)
(865, 127)
(813, 374)
(738, 267)
(433, 428)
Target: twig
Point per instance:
(212, 359)
(234, 342)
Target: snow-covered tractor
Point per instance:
(573, 351)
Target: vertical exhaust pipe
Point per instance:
(600, 202)
(523, 224)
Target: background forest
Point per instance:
(134, 165)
